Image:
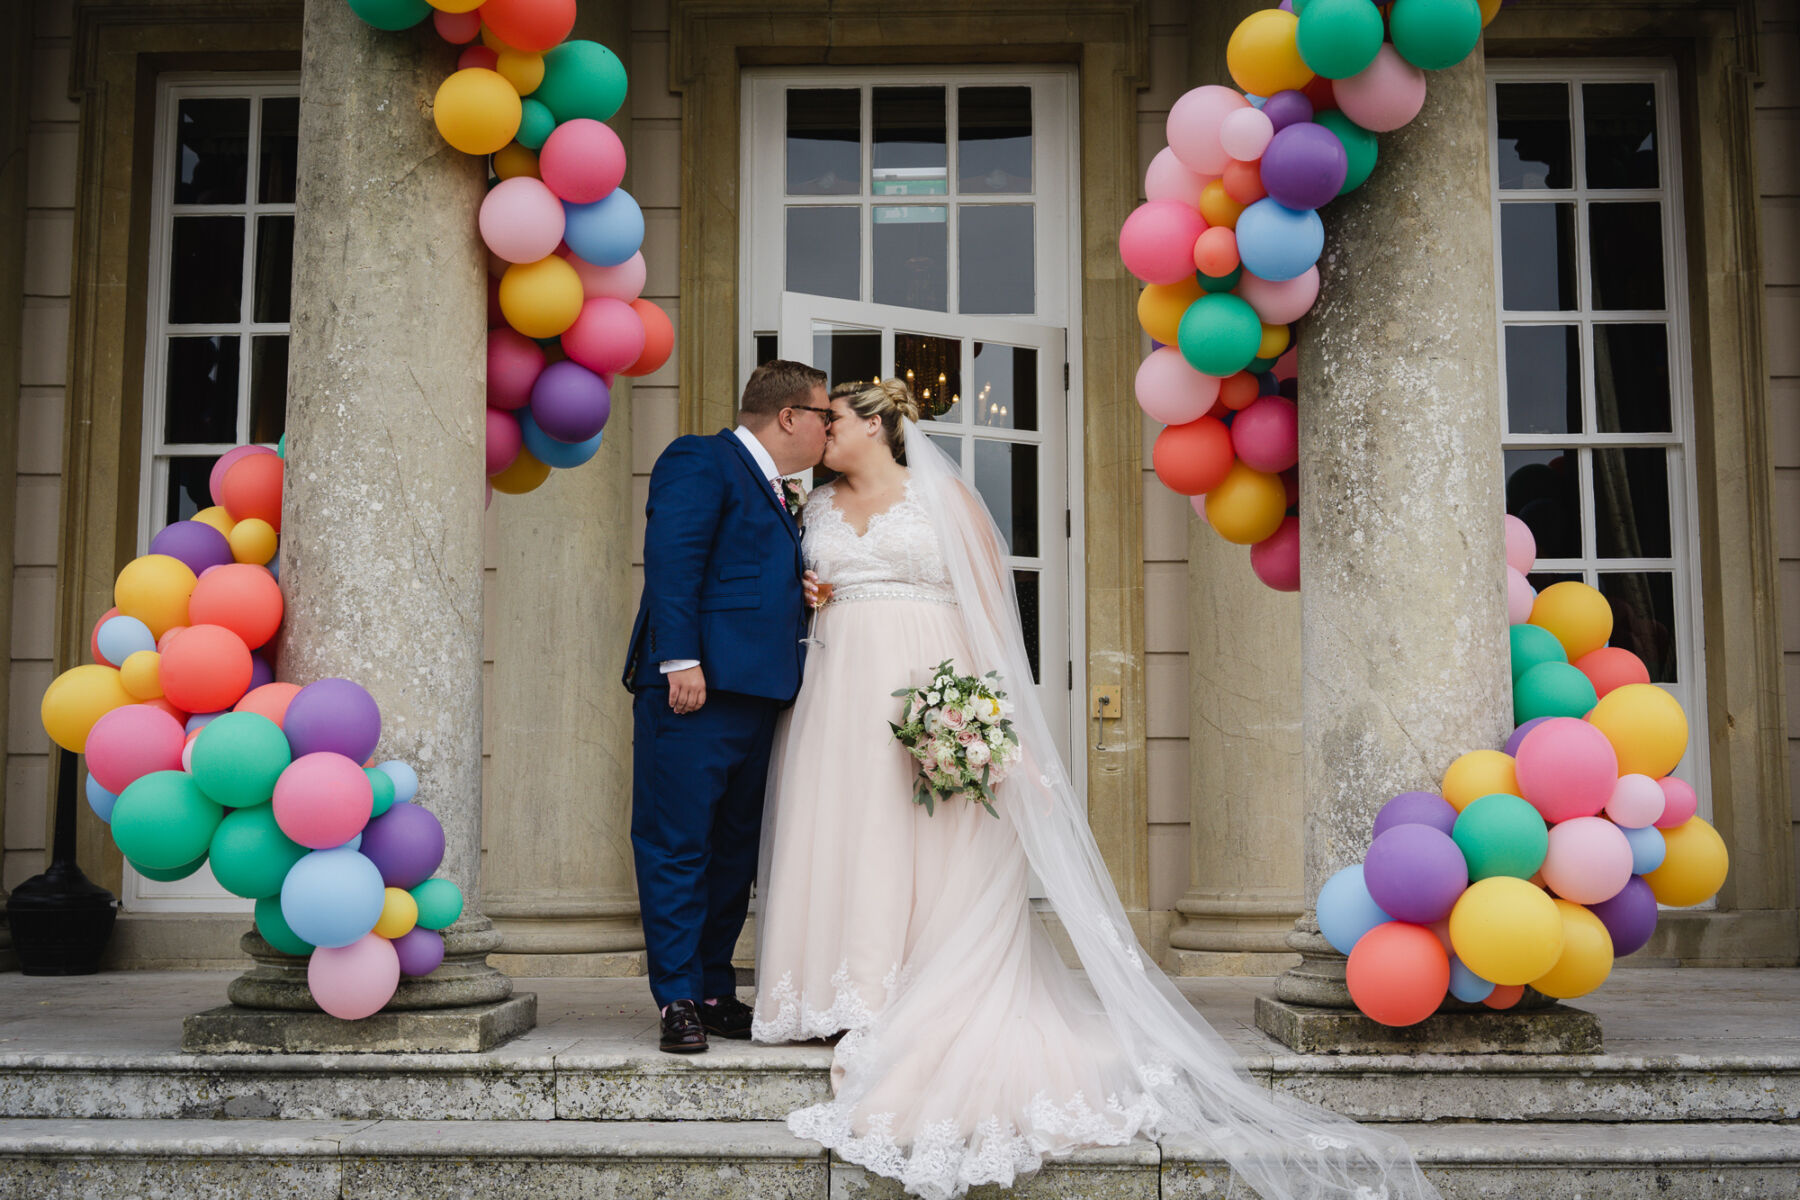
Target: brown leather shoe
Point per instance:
(682, 1032)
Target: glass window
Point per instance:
(823, 254)
(910, 151)
(1537, 257)
(993, 134)
(997, 268)
(912, 246)
(824, 141)
(1533, 130)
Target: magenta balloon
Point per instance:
(1276, 559)
(1305, 166)
(226, 461)
(420, 951)
(1629, 916)
(1415, 873)
(406, 843)
(335, 715)
(1416, 808)
(504, 440)
(195, 543)
(514, 362)
(570, 402)
(1287, 108)
(1266, 435)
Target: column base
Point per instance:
(1318, 980)
(467, 1029)
(1198, 964)
(610, 964)
(278, 981)
(1313, 1030)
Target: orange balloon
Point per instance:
(1243, 182)
(529, 24)
(207, 668)
(1216, 252)
(240, 597)
(1398, 973)
(1217, 206)
(1239, 391)
(271, 700)
(659, 338)
(252, 488)
(1195, 457)
(525, 474)
(1162, 305)
(1505, 995)
(1612, 667)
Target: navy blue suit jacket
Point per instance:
(722, 574)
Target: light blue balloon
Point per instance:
(1276, 242)
(275, 566)
(121, 637)
(1466, 985)
(406, 780)
(100, 800)
(608, 231)
(1346, 910)
(551, 452)
(199, 721)
(332, 897)
(1648, 848)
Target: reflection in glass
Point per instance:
(277, 151)
(949, 445)
(1005, 386)
(1625, 247)
(1006, 475)
(993, 139)
(268, 388)
(1631, 502)
(1539, 580)
(1533, 129)
(824, 141)
(1031, 618)
(909, 155)
(1643, 605)
(212, 150)
(1543, 379)
(1631, 378)
(274, 266)
(1620, 124)
(911, 244)
(189, 489)
(846, 355)
(1543, 490)
(824, 251)
(206, 270)
(1537, 257)
(201, 390)
(996, 262)
(768, 348)
(932, 366)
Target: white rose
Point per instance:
(977, 754)
(933, 698)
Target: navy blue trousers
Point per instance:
(696, 821)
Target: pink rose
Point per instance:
(966, 737)
(954, 718)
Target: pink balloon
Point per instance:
(623, 282)
(1679, 802)
(1384, 95)
(130, 742)
(504, 440)
(1245, 134)
(521, 220)
(1266, 435)
(1520, 596)
(1171, 391)
(1280, 302)
(607, 336)
(1193, 127)
(1199, 505)
(354, 981)
(514, 362)
(1166, 179)
(226, 461)
(1521, 545)
(1276, 559)
(582, 160)
(323, 800)
(1157, 241)
(1589, 860)
(1636, 801)
(1567, 769)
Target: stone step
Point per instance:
(62, 1159)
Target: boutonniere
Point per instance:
(793, 494)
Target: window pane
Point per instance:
(949, 445)
(993, 139)
(911, 256)
(212, 151)
(824, 141)
(1625, 247)
(268, 388)
(824, 251)
(908, 135)
(1543, 379)
(1620, 123)
(768, 348)
(1537, 257)
(1643, 604)
(206, 270)
(1631, 503)
(277, 152)
(1631, 378)
(1542, 490)
(201, 390)
(1005, 386)
(1031, 618)
(274, 267)
(188, 486)
(996, 262)
(1006, 475)
(933, 366)
(846, 355)
(1533, 120)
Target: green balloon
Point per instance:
(238, 757)
(169, 874)
(581, 79)
(1500, 834)
(440, 903)
(1435, 34)
(1219, 283)
(1532, 645)
(391, 14)
(164, 820)
(281, 447)
(1338, 38)
(250, 854)
(1552, 689)
(1219, 334)
(535, 124)
(1259, 365)
(382, 784)
(1359, 144)
(274, 928)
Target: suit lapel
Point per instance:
(748, 460)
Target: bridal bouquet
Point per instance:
(957, 727)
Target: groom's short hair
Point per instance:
(776, 385)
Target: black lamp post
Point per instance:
(61, 920)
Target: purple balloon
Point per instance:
(1518, 735)
(1629, 916)
(406, 843)
(1305, 166)
(260, 672)
(1287, 108)
(335, 715)
(1416, 808)
(195, 543)
(570, 402)
(1415, 873)
(420, 951)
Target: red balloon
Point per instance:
(206, 669)
(1238, 392)
(1216, 252)
(477, 56)
(241, 597)
(1505, 996)
(1320, 93)
(270, 700)
(1243, 181)
(530, 25)
(659, 339)
(457, 28)
(1276, 559)
(1398, 973)
(1193, 458)
(1612, 667)
(252, 488)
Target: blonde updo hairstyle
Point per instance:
(890, 400)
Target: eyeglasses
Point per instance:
(826, 412)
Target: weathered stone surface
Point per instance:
(731, 1081)
(1555, 1030)
(1127, 1172)
(468, 1029)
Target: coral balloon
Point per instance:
(1645, 725)
(1193, 458)
(1586, 959)
(1695, 866)
(582, 160)
(216, 477)
(1476, 774)
(271, 700)
(206, 669)
(1216, 252)
(1506, 930)
(1577, 614)
(1398, 973)
(252, 488)
(534, 25)
(1247, 506)
(1612, 667)
(659, 339)
(1171, 391)
(354, 981)
(242, 598)
(1566, 769)
(476, 110)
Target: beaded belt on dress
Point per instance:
(891, 591)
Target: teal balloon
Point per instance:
(1219, 334)
(281, 447)
(1532, 645)
(391, 14)
(169, 874)
(164, 820)
(581, 79)
(1549, 689)
(440, 903)
(250, 854)
(382, 785)
(1259, 365)
(1359, 143)
(238, 757)
(1338, 38)
(274, 928)
(1500, 834)
(1219, 283)
(1434, 34)
(536, 123)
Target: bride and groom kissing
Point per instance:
(764, 753)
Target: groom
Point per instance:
(715, 656)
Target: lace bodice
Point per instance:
(899, 551)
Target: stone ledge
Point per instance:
(606, 964)
(1309, 1030)
(230, 1029)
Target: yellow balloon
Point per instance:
(1217, 206)
(1505, 930)
(521, 68)
(1262, 55)
(141, 674)
(1576, 614)
(1489, 10)
(217, 517)
(511, 161)
(1274, 342)
(155, 589)
(1587, 956)
(525, 475)
(456, 6)
(1476, 774)
(490, 41)
(76, 699)
(253, 540)
(1695, 866)
(541, 299)
(1646, 727)
(399, 913)
(1247, 506)
(477, 110)
(1161, 305)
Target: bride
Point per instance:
(970, 1052)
